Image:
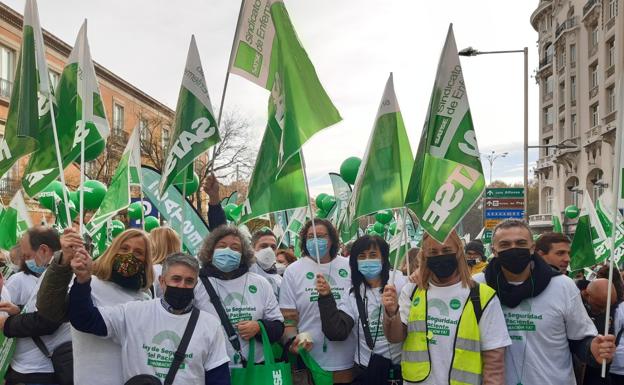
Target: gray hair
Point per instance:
(180, 259)
(510, 223)
(209, 245)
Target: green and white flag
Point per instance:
(268, 52)
(589, 238)
(342, 192)
(447, 178)
(195, 129)
(605, 216)
(556, 218)
(25, 116)
(14, 222)
(80, 114)
(117, 196)
(295, 223)
(384, 175)
(269, 191)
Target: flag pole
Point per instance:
(84, 132)
(183, 210)
(227, 78)
(140, 175)
(398, 256)
(59, 160)
(307, 188)
(617, 171)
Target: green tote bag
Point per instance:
(269, 373)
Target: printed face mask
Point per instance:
(265, 258)
(515, 260)
(311, 245)
(179, 298)
(226, 260)
(443, 266)
(370, 268)
(128, 272)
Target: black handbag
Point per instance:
(62, 360)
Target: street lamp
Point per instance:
(470, 51)
(491, 157)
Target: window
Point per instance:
(572, 88)
(54, 78)
(573, 125)
(548, 116)
(548, 150)
(611, 52)
(166, 131)
(549, 200)
(610, 99)
(550, 51)
(593, 36)
(561, 57)
(7, 69)
(143, 126)
(561, 93)
(593, 76)
(548, 86)
(118, 119)
(572, 53)
(561, 129)
(612, 11)
(594, 115)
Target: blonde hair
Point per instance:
(462, 266)
(103, 266)
(164, 241)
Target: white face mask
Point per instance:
(265, 258)
(280, 267)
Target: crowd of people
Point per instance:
(145, 312)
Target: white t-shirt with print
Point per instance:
(547, 322)
(97, 361)
(274, 279)
(617, 365)
(21, 286)
(246, 298)
(298, 292)
(27, 357)
(444, 309)
(149, 336)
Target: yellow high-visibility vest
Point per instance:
(467, 366)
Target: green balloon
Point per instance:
(379, 227)
(572, 211)
(229, 211)
(319, 199)
(237, 212)
(374, 234)
(392, 228)
(117, 227)
(328, 203)
(321, 214)
(384, 216)
(74, 198)
(349, 169)
(94, 192)
(151, 223)
(47, 197)
(191, 186)
(135, 210)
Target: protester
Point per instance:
(541, 308)
(617, 366)
(554, 248)
(121, 274)
(150, 331)
(377, 361)
(475, 256)
(246, 297)
(32, 264)
(264, 244)
(164, 241)
(29, 364)
(298, 297)
(216, 215)
(446, 320)
(618, 281)
(345, 249)
(283, 258)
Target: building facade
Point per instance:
(127, 107)
(581, 56)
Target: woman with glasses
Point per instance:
(299, 297)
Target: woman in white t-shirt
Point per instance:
(376, 360)
(246, 298)
(164, 241)
(450, 318)
(299, 296)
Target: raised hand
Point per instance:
(390, 300)
(322, 286)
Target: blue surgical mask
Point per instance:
(226, 260)
(370, 268)
(311, 244)
(32, 266)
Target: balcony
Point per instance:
(545, 64)
(5, 88)
(545, 162)
(610, 71)
(566, 25)
(610, 23)
(593, 135)
(589, 6)
(9, 186)
(568, 146)
(593, 92)
(540, 220)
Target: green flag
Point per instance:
(384, 174)
(342, 192)
(269, 192)
(117, 196)
(556, 218)
(447, 178)
(195, 128)
(589, 234)
(80, 113)
(268, 52)
(21, 133)
(605, 216)
(8, 224)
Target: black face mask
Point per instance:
(515, 260)
(179, 298)
(443, 266)
(471, 262)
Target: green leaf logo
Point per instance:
(310, 275)
(253, 289)
(454, 304)
(343, 273)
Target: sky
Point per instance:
(353, 44)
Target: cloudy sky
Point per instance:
(354, 45)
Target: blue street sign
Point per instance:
(503, 214)
(148, 208)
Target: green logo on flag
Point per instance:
(248, 59)
(310, 275)
(253, 289)
(455, 304)
(343, 273)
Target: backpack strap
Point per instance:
(364, 319)
(41, 346)
(179, 355)
(475, 297)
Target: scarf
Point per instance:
(210, 271)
